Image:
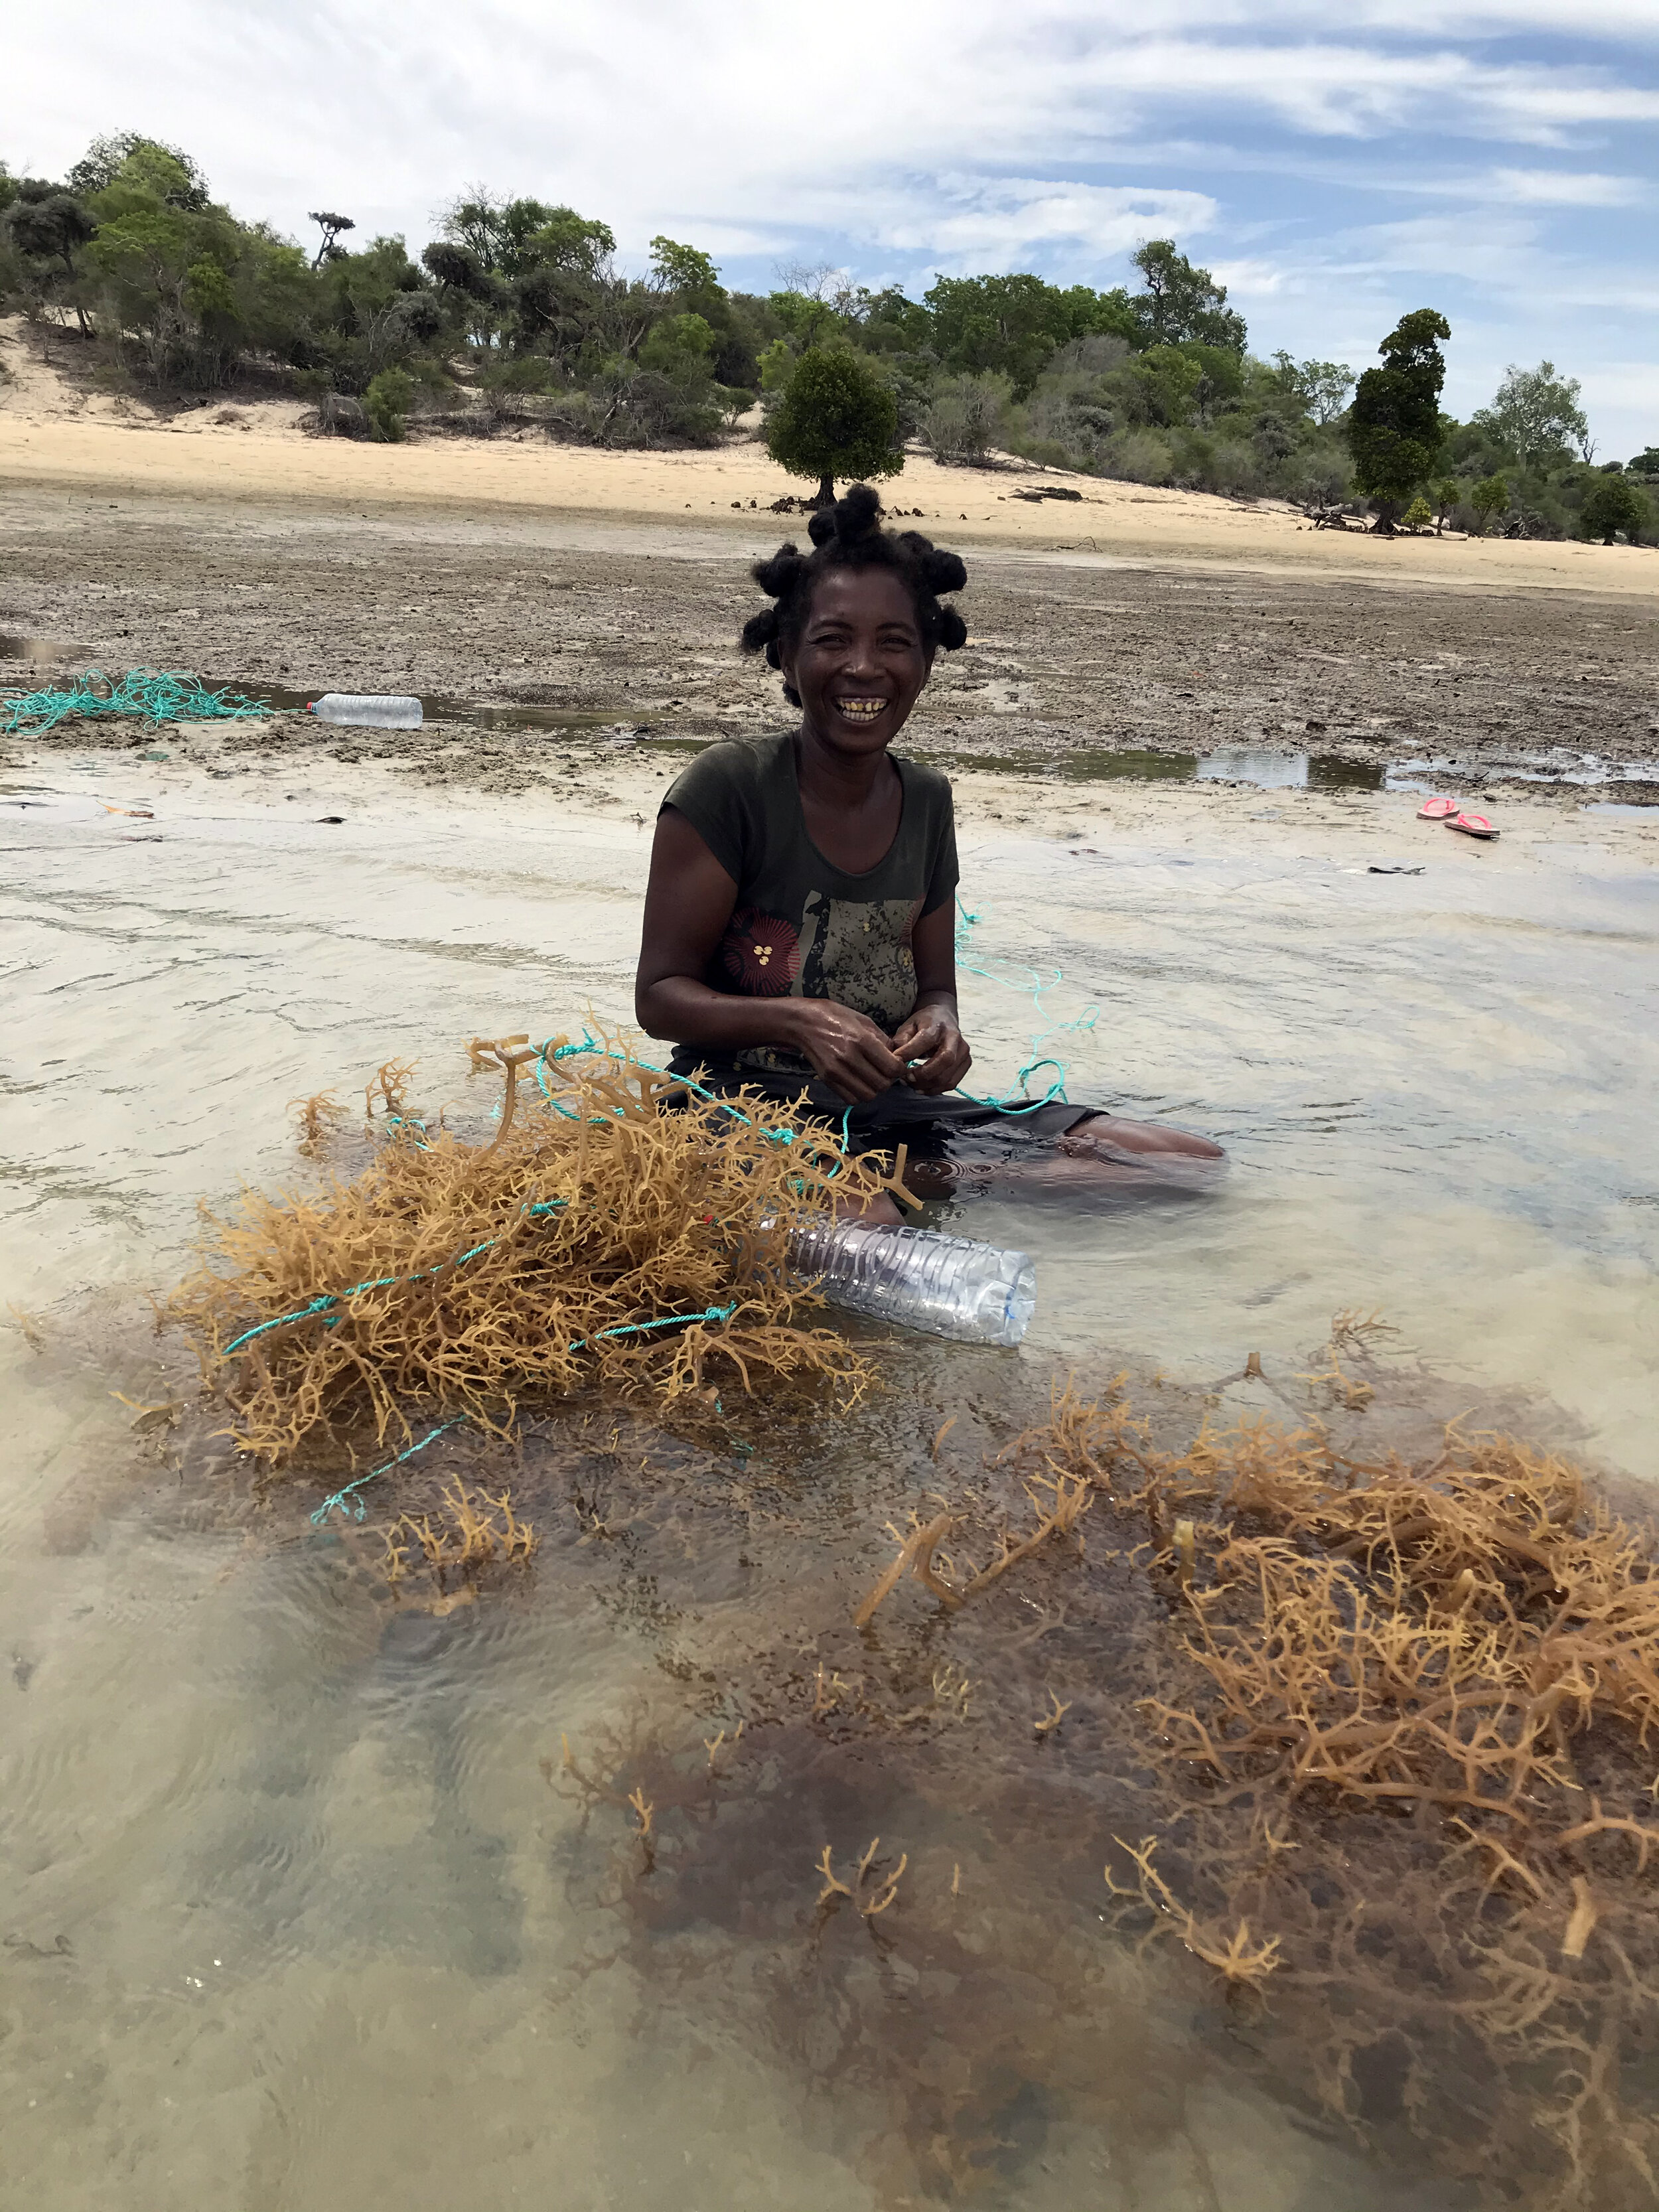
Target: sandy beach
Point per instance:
(53, 432)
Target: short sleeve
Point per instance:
(716, 794)
(944, 874)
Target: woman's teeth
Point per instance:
(861, 710)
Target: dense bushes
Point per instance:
(517, 314)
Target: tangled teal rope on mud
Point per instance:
(150, 696)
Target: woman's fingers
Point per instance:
(849, 1052)
(941, 1073)
(872, 1068)
(939, 1056)
(919, 1037)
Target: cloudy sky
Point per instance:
(1334, 165)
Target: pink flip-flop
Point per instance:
(1472, 826)
(1437, 810)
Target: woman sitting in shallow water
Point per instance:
(799, 922)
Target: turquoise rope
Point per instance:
(1016, 1103)
(589, 1044)
(380, 1283)
(668, 1320)
(151, 695)
(357, 1511)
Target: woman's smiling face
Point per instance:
(860, 663)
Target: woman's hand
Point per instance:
(936, 1049)
(848, 1050)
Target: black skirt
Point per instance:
(953, 1128)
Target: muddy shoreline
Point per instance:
(628, 627)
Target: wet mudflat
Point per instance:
(639, 623)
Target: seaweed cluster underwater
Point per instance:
(993, 1745)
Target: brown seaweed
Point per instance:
(598, 1234)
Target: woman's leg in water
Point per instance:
(1101, 1151)
(1105, 1137)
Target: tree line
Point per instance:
(517, 312)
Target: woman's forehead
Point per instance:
(866, 594)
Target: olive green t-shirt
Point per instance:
(801, 927)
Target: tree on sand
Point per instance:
(836, 418)
(1393, 425)
(1492, 497)
(1612, 505)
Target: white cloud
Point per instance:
(993, 223)
(749, 113)
(1565, 188)
(1254, 279)
(1625, 385)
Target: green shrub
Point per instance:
(387, 403)
(1489, 498)
(964, 418)
(1139, 456)
(1613, 505)
(1236, 469)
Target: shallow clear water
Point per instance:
(328, 1936)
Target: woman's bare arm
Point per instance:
(688, 904)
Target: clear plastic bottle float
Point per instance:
(950, 1286)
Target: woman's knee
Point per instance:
(1144, 1137)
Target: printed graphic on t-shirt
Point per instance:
(761, 952)
(858, 950)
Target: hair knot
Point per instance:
(850, 534)
(943, 571)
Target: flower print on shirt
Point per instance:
(761, 953)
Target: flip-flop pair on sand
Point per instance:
(1449, 812)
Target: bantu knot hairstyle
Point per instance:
(850, 534)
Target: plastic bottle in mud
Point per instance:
(378, 710)
(947, 1285)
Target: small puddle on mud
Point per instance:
(1271, 771)
(1103, 764)
(39, 652)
